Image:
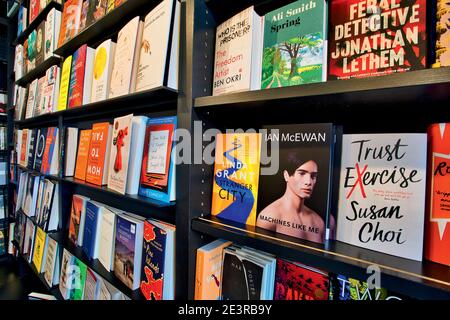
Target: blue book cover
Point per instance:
(20, 20)
(158, 163)
(153, 254)
(125, 250)
(90, 228)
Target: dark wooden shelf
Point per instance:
(35, 23)
(97, 267)
(426, 279)
(49, 176)
(106, 26)
(38, 71)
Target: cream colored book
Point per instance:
(101, 74)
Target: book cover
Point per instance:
(91, 225)
(107, 240)
(52, 28)
(366, 41)
(110, 6)
(443, 34)
(51, 267)
(120, 153)
(51, 89)
(65, 82)
(66, 277)
(40, 43)
(154, 46)
(70, 20)
(98, 156)
(139, 124)
(97, 9)
(32, 51)
(22, 13)
(34, 8)
(381, 193)
(24, 148)
(83, 154)
(101, 75)
(297, 282)
(39, 248)
(208, 277)
(31, 99)
(25, 57)
(40, 148)
(236, 177)
(153, 260)
(76, 213)
(78, 277)
(50, 152)
(33, 133)
(84, 15)
(77, 76)
(437, 234)
(296, 199)
(92, 286)
(40, 106)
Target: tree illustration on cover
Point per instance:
(293, 62)
(119, 143)
(151, 288)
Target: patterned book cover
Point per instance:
(296, 282)
(70, 20)
(236, 176)
(98, 148)
(97, 9)
(32, 50)
(33, 10)
(78, 277)
(125, 251)
(443, 33)
(153, 260)
(77, 75)
(295, 44)
(366, 41)
(437, 234)
(75, 219)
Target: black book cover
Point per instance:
(296, 200)
(31, 148)
(40, 43)
(40, 147)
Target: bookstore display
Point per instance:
(211, 150)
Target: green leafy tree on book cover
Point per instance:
(295, 45)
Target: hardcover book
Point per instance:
(33, 133)
(52, 28)
(236, 177)
(70, 20)
(437, 233)
(50, 159)
(381, 194)
(40, 148)
(83, 154)
(51, 267)
(139, 124)
(107, 240)
(366, 41)
(237, 61)
(40, 43)
(120, 153)
(77, 219)
(34, 8)
(80, 77)
(78, 276)
(101, 75)
(98, 156)
(66, 277)
(31, 102)
(51, 88)
(295, 44)
(92, 285)
(443, 34)
(296, 200)
(97, 9)
(92, 227)
(39, 248)
(64, 85)
(32, 50)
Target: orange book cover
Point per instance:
(437, 232)
(98, 148)
(49, 149)
(82, 154)
(70, 20)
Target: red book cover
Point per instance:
(296, 282)
(371, 40)
(77, 77)
(34, 10)
(156, 156)
(437, 230)
(48, 151)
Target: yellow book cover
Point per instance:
(208, 275)
(236, 176)
(64, 85)
(39, 248)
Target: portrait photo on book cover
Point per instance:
(295, 200)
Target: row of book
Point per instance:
(140, 252)
(29, 11)
(313, 183)
(291, 45)
(227, 271)
(58, 266)
(108, 71)
(133, 156)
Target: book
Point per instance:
(92, 285)
(128, 250)
(40, 148)
(64, 84)
(78, 277)
(98, 156)
(107, 240)
(52, 28)
(83, 154)
(39, 249)
(437, 234)
(70, 20)
(31, 147)
(51, 267)
(23, 159)
(158, 167)
(92, 227)
(21, 20)
(19, 62)
(381, 193)
(97, 9)
(34, 8)
(237, 56)
(32, 50)
(442, 46)
(40, 105)
(296, 199)
(40, 296)
(84, 15)
(51, 89)
(50, 158)
(364, 41)
(66, 278)
(101, 74)
(208, 269)
(139, 125)
(295, 281)
(70, 151)
(81, 77)
(26, 68)
(31, 102)
(155, 47)
(50, 213)
(40, 43)
(108, 292)
(120, 153)
(236, 177)
(110, 6)
(126, 57)
(28, 244)
(77, 219)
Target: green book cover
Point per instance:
(294, 44)
(80, 270)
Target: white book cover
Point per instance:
(107, 240)
(120, 153)
(53, 219)
(31, 102)
(154, 47)
(126, 58)
(40, 107)
(136, 151)
(71, 151)
(234, 60)
(101, 74)
(52, 26)
(382, 193)
(91, 286)
(88, 69)
(19, 62)
(51, 89)
(172, 79)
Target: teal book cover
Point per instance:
(294, 44)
